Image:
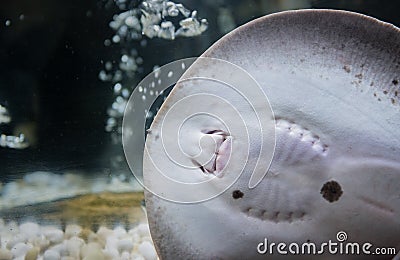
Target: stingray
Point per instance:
(332, 82)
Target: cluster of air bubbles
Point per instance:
(10, 141)
(155, 24)
(124, 68)
(150, 18)
(139, 21)
(4, 116)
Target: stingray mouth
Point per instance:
(219, 158)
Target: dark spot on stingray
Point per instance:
(393, 101)
(385, 92)
(359, 76)
(331, 191)
(237, 194)
(396, 93)
(395, 82)
(346, 68)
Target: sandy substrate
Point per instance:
(70, 216)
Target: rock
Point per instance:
(147, 250)
(103, 233)
(125, 256)
(94, 255)
(5, 254)
(51, 254)
(125, 244)
(111, 253)
(30, 229)
(53, 234)
(72, 231)
(60, 248)
(143, 229)
(74, 246)
(20, 250)
(41, 242)
(91, 249)
(32, 253)
(119, 232)
(15, 239)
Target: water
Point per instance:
(67, 69)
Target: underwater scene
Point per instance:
(76, 184)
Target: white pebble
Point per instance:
(40, 241)
(125, 244)
(119, 231)
(16, 239)
(30, 229)
(51, 255)
(111, 253)
(94, 255)
(32, 253)
(72, 230)
(136, 256)
(53, 234)
(134, 235)
(90, 249)
(103, 233)
(74, 246)
(12, 227)
(147, 250)
(111, 242)
(5, 254)
(125, 256)
(60, 248)
(143, 229)
(68, 258)
(20, 250)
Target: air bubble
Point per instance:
(107, 42)
(116, 39)
(108, 65)
(125, 93)
(117, 88)
(124, 58)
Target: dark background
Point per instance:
(49, 65)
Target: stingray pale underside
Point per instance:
(331, 78)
